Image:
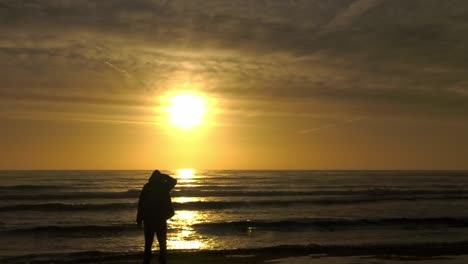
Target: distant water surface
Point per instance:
(50, 212)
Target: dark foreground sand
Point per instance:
(416, 253)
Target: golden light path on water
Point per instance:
(182, 223)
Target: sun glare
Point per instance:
(186, 110)
(185, 173)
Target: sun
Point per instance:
(186, 110)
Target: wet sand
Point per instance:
(434, 253)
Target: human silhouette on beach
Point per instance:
(154, 208)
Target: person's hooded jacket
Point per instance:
(155, 205)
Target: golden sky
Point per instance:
(345, 84)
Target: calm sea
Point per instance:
(61, 212)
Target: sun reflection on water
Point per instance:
(186, 176)
(185, 236)
(187, 199)
(185, 173)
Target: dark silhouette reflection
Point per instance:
(154, 208)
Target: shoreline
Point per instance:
(257, 255)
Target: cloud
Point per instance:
(346, 17)
(375, 56)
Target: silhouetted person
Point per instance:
(154, 208)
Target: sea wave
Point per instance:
(212, 205)
(66, 207)
(132, 193)
(125, 206)
(333, 223)
(193, 192)
(32, 187)
(320, 224)
(78, 229)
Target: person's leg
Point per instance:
(161, 234)
(149, 237)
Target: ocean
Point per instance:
(67, 214)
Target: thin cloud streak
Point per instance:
(332, 125)
(346, 17)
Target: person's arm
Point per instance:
(170, 182)
(139, 218)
